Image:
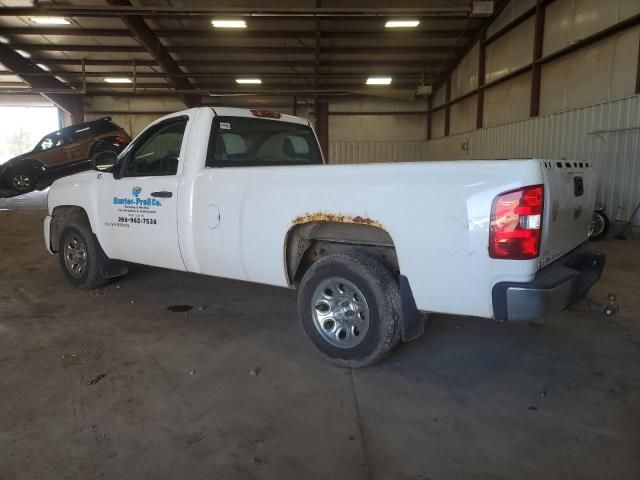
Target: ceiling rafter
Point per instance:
(38, 78)
(145, 37)
(120, 10)
(249, 34)
(301, 50)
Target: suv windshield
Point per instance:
(241, 141)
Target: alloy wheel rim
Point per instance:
(21, 181)
(75, 256)
(597, 225)
(340, 312)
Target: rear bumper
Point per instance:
(554, 288)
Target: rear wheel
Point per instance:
(349, 305)
(599, 226)
(79, 258)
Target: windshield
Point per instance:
(241, 141)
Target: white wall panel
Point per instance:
(128, 116)
(510, 52)
(465, 77)
(463, 115)
(508, 101)
(440, 96)
(513, 10)
(377, 152)
(597, 73)
(377, 128)
(373, 104)
(567, 21)
(437, 124)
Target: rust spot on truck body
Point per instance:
(337, 218)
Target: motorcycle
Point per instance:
(599, 223)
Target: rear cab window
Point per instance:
(243, 141)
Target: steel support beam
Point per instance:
(447, 108)
(536, 72)
(322, 125)
(191, 11)
(39, 79)
(317, 51)
(245, 34)
(429, 115)
(413, 66)
(638, 71)
(482, 55)
(145, 37)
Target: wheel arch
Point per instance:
(63, 216)
(311, 239)
(32, 165)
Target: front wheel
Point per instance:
(22, 181)
(599, 226)
(80, 259)
(349, 306)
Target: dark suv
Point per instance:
(61, 153)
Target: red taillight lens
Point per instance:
(265, 114)
(516, 224)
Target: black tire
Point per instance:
(22, 180)
(382, 297)
(90, 275)
(599, 226)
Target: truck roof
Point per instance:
(246, 112)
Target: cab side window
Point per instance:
(158, 151)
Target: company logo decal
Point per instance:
(137, 199)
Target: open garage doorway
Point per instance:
(21, 126)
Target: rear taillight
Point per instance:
(516, 224)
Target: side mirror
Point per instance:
(104, 161)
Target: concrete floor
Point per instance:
(108, 384)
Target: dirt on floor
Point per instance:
(110, 384)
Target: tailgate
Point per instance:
(570, 191)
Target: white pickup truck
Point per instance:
(245, 194)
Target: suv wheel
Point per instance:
(349, 305)
(22, 182)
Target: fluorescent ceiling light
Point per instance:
(4, 39)
(23, 53)
(248, 81)
(50, 20)
(379, 81)
(117, 80)
(43, 67)
(229, 23)
(402, 23)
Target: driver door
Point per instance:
(139, 210)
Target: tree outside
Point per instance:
(21, 127)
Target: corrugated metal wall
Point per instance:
(607, 134)
(377, 152)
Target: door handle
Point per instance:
(162, 194)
